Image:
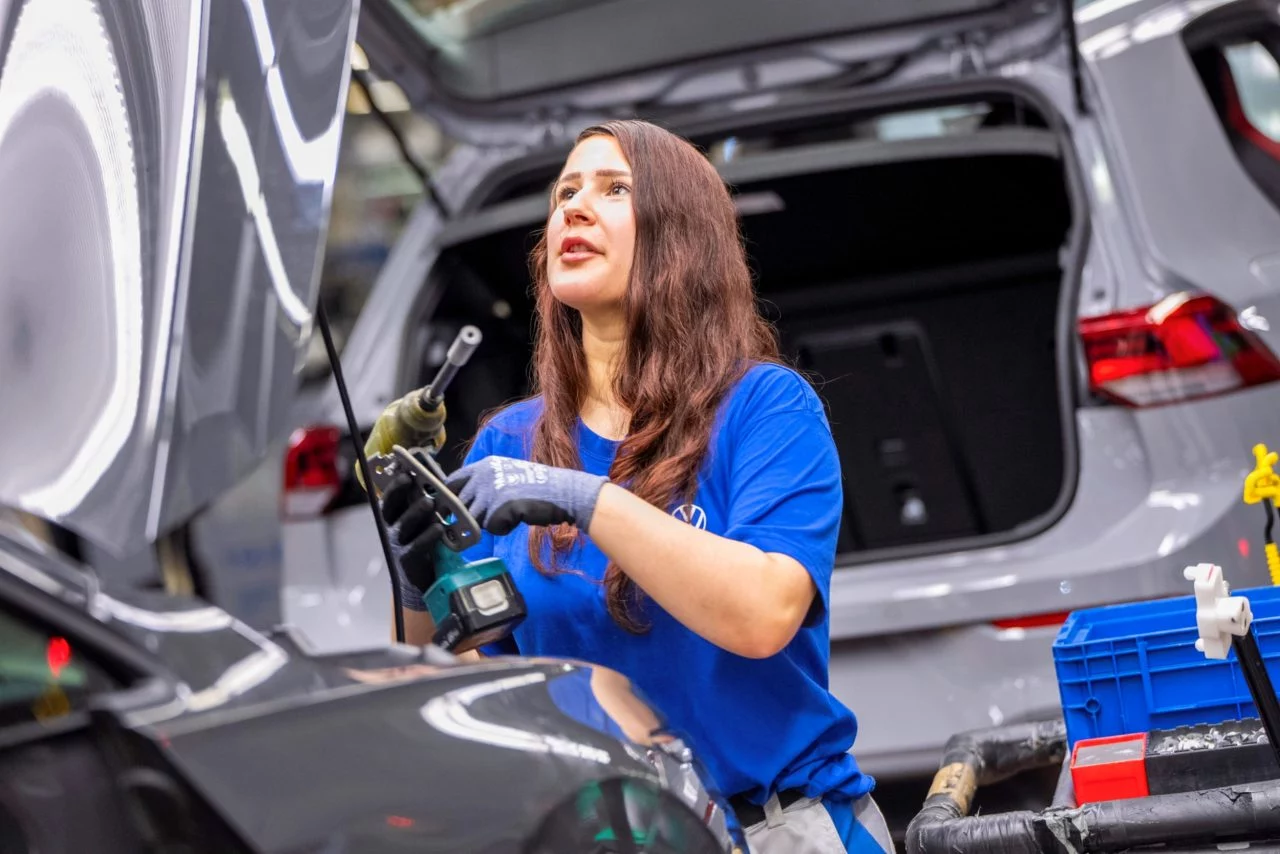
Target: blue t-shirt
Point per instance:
(771, 479)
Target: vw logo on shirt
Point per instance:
(693, 514)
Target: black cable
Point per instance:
(361, 79)
(354, 429)
(1269, 507)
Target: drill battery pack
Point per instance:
(476, 602)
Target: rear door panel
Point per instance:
(164, 295)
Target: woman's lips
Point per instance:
(574, 250)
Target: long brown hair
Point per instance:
(692, 330)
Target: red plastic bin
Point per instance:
(1110, 768)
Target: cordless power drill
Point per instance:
(472, 604)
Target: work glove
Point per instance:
(414, 528)
(502, 493)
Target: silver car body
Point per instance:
(918, 647)
(208, 309)
(166, 171)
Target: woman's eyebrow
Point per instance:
(604, 173)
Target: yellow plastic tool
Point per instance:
(406, 422)
(1262, 483)
(1262, 486)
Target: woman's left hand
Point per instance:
(502, 493)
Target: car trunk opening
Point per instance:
(483, 67)
(923, 295)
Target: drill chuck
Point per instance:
(466, 342)
(418, 417)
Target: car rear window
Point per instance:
(1255, 76)
(1241, 74)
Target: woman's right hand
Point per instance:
(413, 528)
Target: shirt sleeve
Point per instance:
(786, 492)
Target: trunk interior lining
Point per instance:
(922, 297)
(946, 396)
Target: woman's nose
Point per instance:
(578, 208)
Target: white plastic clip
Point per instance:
(1218, 615)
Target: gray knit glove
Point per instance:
(501, 493)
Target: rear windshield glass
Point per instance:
(1241, 75)
(1256, 75)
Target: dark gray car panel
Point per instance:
(374, 751)
(472, 762)
(166, 203)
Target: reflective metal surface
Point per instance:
(469, 759)
(166, 170)
(372, 751)
(1168, 207)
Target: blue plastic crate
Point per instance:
(1135, 667)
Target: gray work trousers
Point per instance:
(805, 827)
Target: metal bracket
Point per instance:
(461, 530)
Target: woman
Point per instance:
(668, 501)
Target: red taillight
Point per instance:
(1183, 347)
(311, 478)
(58, 655)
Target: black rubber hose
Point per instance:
(1002, 752)
(940, 828)
(943, 826)
(976, 759)
(1234, 813)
